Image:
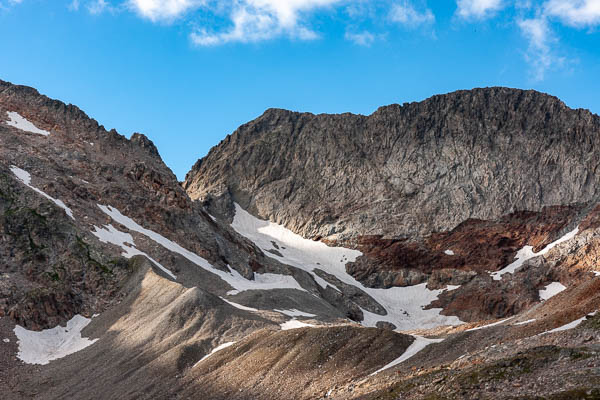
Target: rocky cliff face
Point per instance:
(416, 207)
(406, 171)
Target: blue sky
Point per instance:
(188, 72)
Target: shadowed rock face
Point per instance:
(406, 171)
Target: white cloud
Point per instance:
(74, 6)
(96, 7)
(406, 14)
(165, 10)
(539, 54)
(255, 20)
(576, 13)
(364, 38)
(478, 9)
(7, 3)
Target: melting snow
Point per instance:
(525, 322)
(526, 253)
(239, 306)
(51, 344)
(233, 278)
(25, 178)
(404, 305)
(419, 344)
(295, 313)
(218, 348)
(294, 324)
(17, 121)
(110, 234)
(550, 290)
(449, 252)
(488, 325)
(568, 326)
(452, 287)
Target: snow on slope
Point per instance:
(295, 313)
(239, 306)
(419, 344)
(551, 289)
(526, 253)
(294, 324)
(404, 305)
(25, 178)
(17, 121)
(51, 344)
(488, 325)
(233, 278)
(216, 349)
(110, 234)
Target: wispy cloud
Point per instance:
(255, 20)
(6, 3)
(405, 13)
(364, 38)
(539, 53)
(164, 10)
(98, 7)
(576, 13)
(74, 5)
(478, 9)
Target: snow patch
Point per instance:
(449, 252)
(295, 313)
(6, 340)
(51, 344)
(488, 325)
(294, 324)
(570, 325)
(404, 305)
(419, 344)
(551, 290)
(525, 322)
(452, 287)
(216, 349)
(233, 278)
(110, 234)
(25, 178)
(239, 306)
(526, 253)
(19, 122)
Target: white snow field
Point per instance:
(404, 305)
(216, 349)
(526, 253)
(25, 178)
(419, 344)
(449, 252)
(233, 278)
(294, 324)
(239, 306)
(110, 234)
(295, 313)
(488, 325)
(525, 322)
(51, 344)
(17, 121)
(551, 290)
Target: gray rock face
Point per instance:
(53, 266)
(405, 171)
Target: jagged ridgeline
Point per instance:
(443, 248)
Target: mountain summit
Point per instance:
(446, 248)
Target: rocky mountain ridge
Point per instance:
(206, 299)
(406, 171)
